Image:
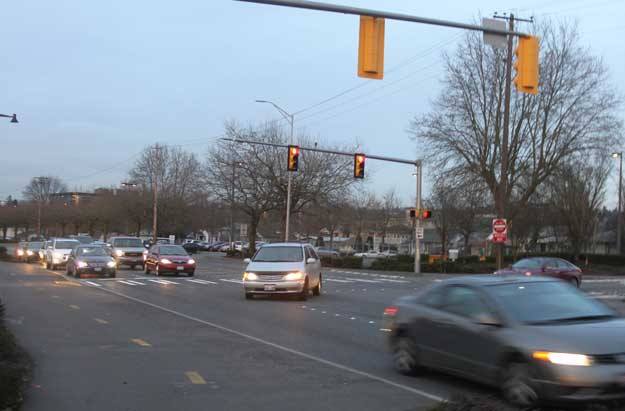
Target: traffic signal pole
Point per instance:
(416, 163)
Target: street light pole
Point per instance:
(13, 117)
(417, 217)
(619, 217)
(157, 149)
(291, 119)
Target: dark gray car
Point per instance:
(537, 339)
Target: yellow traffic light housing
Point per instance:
(526, 65)
(359, 165)
(293, 160)
(371, 48)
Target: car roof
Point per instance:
(486, 280)
(124, 237)
(65, 239)
(285, 245)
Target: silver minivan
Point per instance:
(283, 268)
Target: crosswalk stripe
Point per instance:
(93, 284)
(364, 281)
(126, 282)
(202, 281)
(135, 282)
(165, 282)
(231, 281)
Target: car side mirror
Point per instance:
(488, 319)
(311, 260)
(247, 260)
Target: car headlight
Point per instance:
(294, 276)
(20, 252)
(165, 261)
(119, 253)
(111, 264)
(563, 358)
(57, 255)
(81, 264)
(191, 261)
(29, 252)
(249, 276)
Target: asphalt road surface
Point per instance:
(141, 342)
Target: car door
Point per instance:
(469, 345)
(317, 263)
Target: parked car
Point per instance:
(169, 258)
(58, 251)
(217, 246)
(192, 248)
(536, 338)
(327, 252)
(547, 266)
(128, 251)
(90, 259)
(283, 268)
(369, 254)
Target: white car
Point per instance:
(283, 268)
(58, 250)
(369, 254)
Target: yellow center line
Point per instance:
(75, 307)
(141, 342)
(195, 377)
(101, 321)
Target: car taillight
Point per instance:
(391, 311)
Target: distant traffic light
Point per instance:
(371, 48)
(526, 65)
(359, 165)
(293, 160)
(426, 214)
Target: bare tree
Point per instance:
(577, 191)
(388, 210)
(443, 203)
(576, 110)
(43, 188)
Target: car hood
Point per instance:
(62, 250)
(130, 249)
(256, 266)
(600, 337)
(96, 259)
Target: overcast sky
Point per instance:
(93, 83)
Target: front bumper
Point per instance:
(60, 261)
(175, 268)
(599, 382)
(273, 287)
(94, 270)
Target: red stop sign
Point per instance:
(499, 225)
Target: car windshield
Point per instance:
(547, 302)
(128, 242)
(92, 251)
(33, 246)
(172, 250)
(279, 254)
(84, 239)
(529, 263)
(65, 245)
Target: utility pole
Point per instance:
(234, 163)
(502, 190)
(619, 217)
(156, 161)
(417, 242)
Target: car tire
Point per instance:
(317, 289)
(48, 265)
(157, 271)
(67, 270)
(192, 273)
(77, 274)
(249, 296)
(405, 356)
(303, 296)
(574, 282)
(517, 387)
(146, 270)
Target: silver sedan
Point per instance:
(535, 338)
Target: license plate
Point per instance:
(180, 268)
(98, 269)
(270, 287)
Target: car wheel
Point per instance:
(405, 357)
(574, 282)
(303, 296)
(249, 296)
(48, 265)
(192, 273)
(317, 289)
(517, 387)
(76, 274)
(67, 270)
(157, 271)
(146, 270)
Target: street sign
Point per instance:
(172, 239)
(420, 233)
(500, 230)
(499, 41)
(243, 230)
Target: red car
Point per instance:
(546, 266)
(166, 258)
